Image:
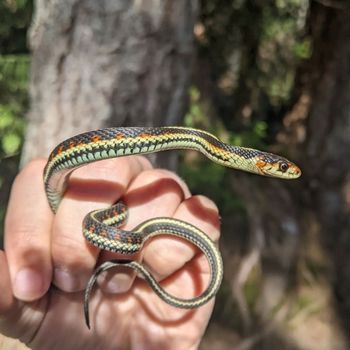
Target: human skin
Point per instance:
(47, 262)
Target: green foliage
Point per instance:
(302, 49)
(198, 117)
(253, 137)
(281, 47)
(15, 16)
(204, 177)
(13, 102)
(11, 131)
(253, 49)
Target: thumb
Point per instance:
(13, 313)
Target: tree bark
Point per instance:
(317, 137)
(320, 123)
(107, 63)
(327, 150)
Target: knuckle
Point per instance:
(26, 236)
(105, 169)
(161, 173)
(142, 163)
(33, 168)
(171, 257)
(152, 175)
(203, 213)
(206, 203)
(70, 253)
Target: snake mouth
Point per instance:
(297, 171)
(266, 168)
(282, 168)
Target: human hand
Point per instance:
(42, 248)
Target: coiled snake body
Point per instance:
(102, 227)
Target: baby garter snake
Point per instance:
(102, 227)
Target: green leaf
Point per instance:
(6, 118)
(11, 143)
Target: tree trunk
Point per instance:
(317, 137)
(327, 150)
(320, 201)
(107, 63)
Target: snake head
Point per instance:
(276, 166)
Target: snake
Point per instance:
(104, 227)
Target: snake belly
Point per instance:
(102, 227)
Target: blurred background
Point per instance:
(273, 75)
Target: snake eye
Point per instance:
(283, 166)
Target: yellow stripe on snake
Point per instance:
(102, 227)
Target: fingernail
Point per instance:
(66, 281)
(28, 284)
(119, 283)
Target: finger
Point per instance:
(9, 314)
(164, 256)
(7, 299)
(183, 269)
(153, 193)
(27, 234)
(94, 186)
